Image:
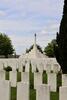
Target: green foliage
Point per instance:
(61, 48)
(39, 48)
(49, 49)
(6, 47)
(8, 69)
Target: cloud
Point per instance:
(41, 7)
(2, 13)
(43, 38)
(20, 19)
(21, 42)
(15, 25)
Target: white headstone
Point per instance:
(4, 90)
(52, 81)
(40, 66)
(22, 91)
(5, 64)
(44, 66)
(13, 78)
(64, 79)
(33, 66)
(63, 93)
(48, 67)
(12, 64)
(43, 92)
(25, 77)
(27, 67)
(2, 75)
(37, 79)
(55, 68)
(20, 66)
(1, 66)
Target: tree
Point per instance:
(61, 48)
(49, 49)
(6, 47)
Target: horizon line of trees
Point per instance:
(7, 49)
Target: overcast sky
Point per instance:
(20, 19)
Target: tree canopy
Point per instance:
(61, 48)
(6, 47)
(49, 49)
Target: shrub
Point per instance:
(8, 68)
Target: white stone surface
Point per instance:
(63, 93)
(4, 90)
(48, 67)
(52, 81)
(5, 64)
(1, 66)
(33, 68)
(64, 79)
(55, 68)
(43, 92)
(20, 66)
(44, 65)
(13, 78)
(37, 79)
(33, 63)
(2, 75)
(27, 67)
(22, 91)
(40, 66)
(12, 64)
(25, 77)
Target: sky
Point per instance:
(21, 19)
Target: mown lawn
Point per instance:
(13, 93)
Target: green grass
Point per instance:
(18, 76)
(54, 96)
(32, 94)
(44, 78)
(13, 93)
(59, 82)
(7, 75)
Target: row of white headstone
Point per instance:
(24, 85)
(42, 91)
(23, 91)
(51, 79)
(40, 65)
(25, 78)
